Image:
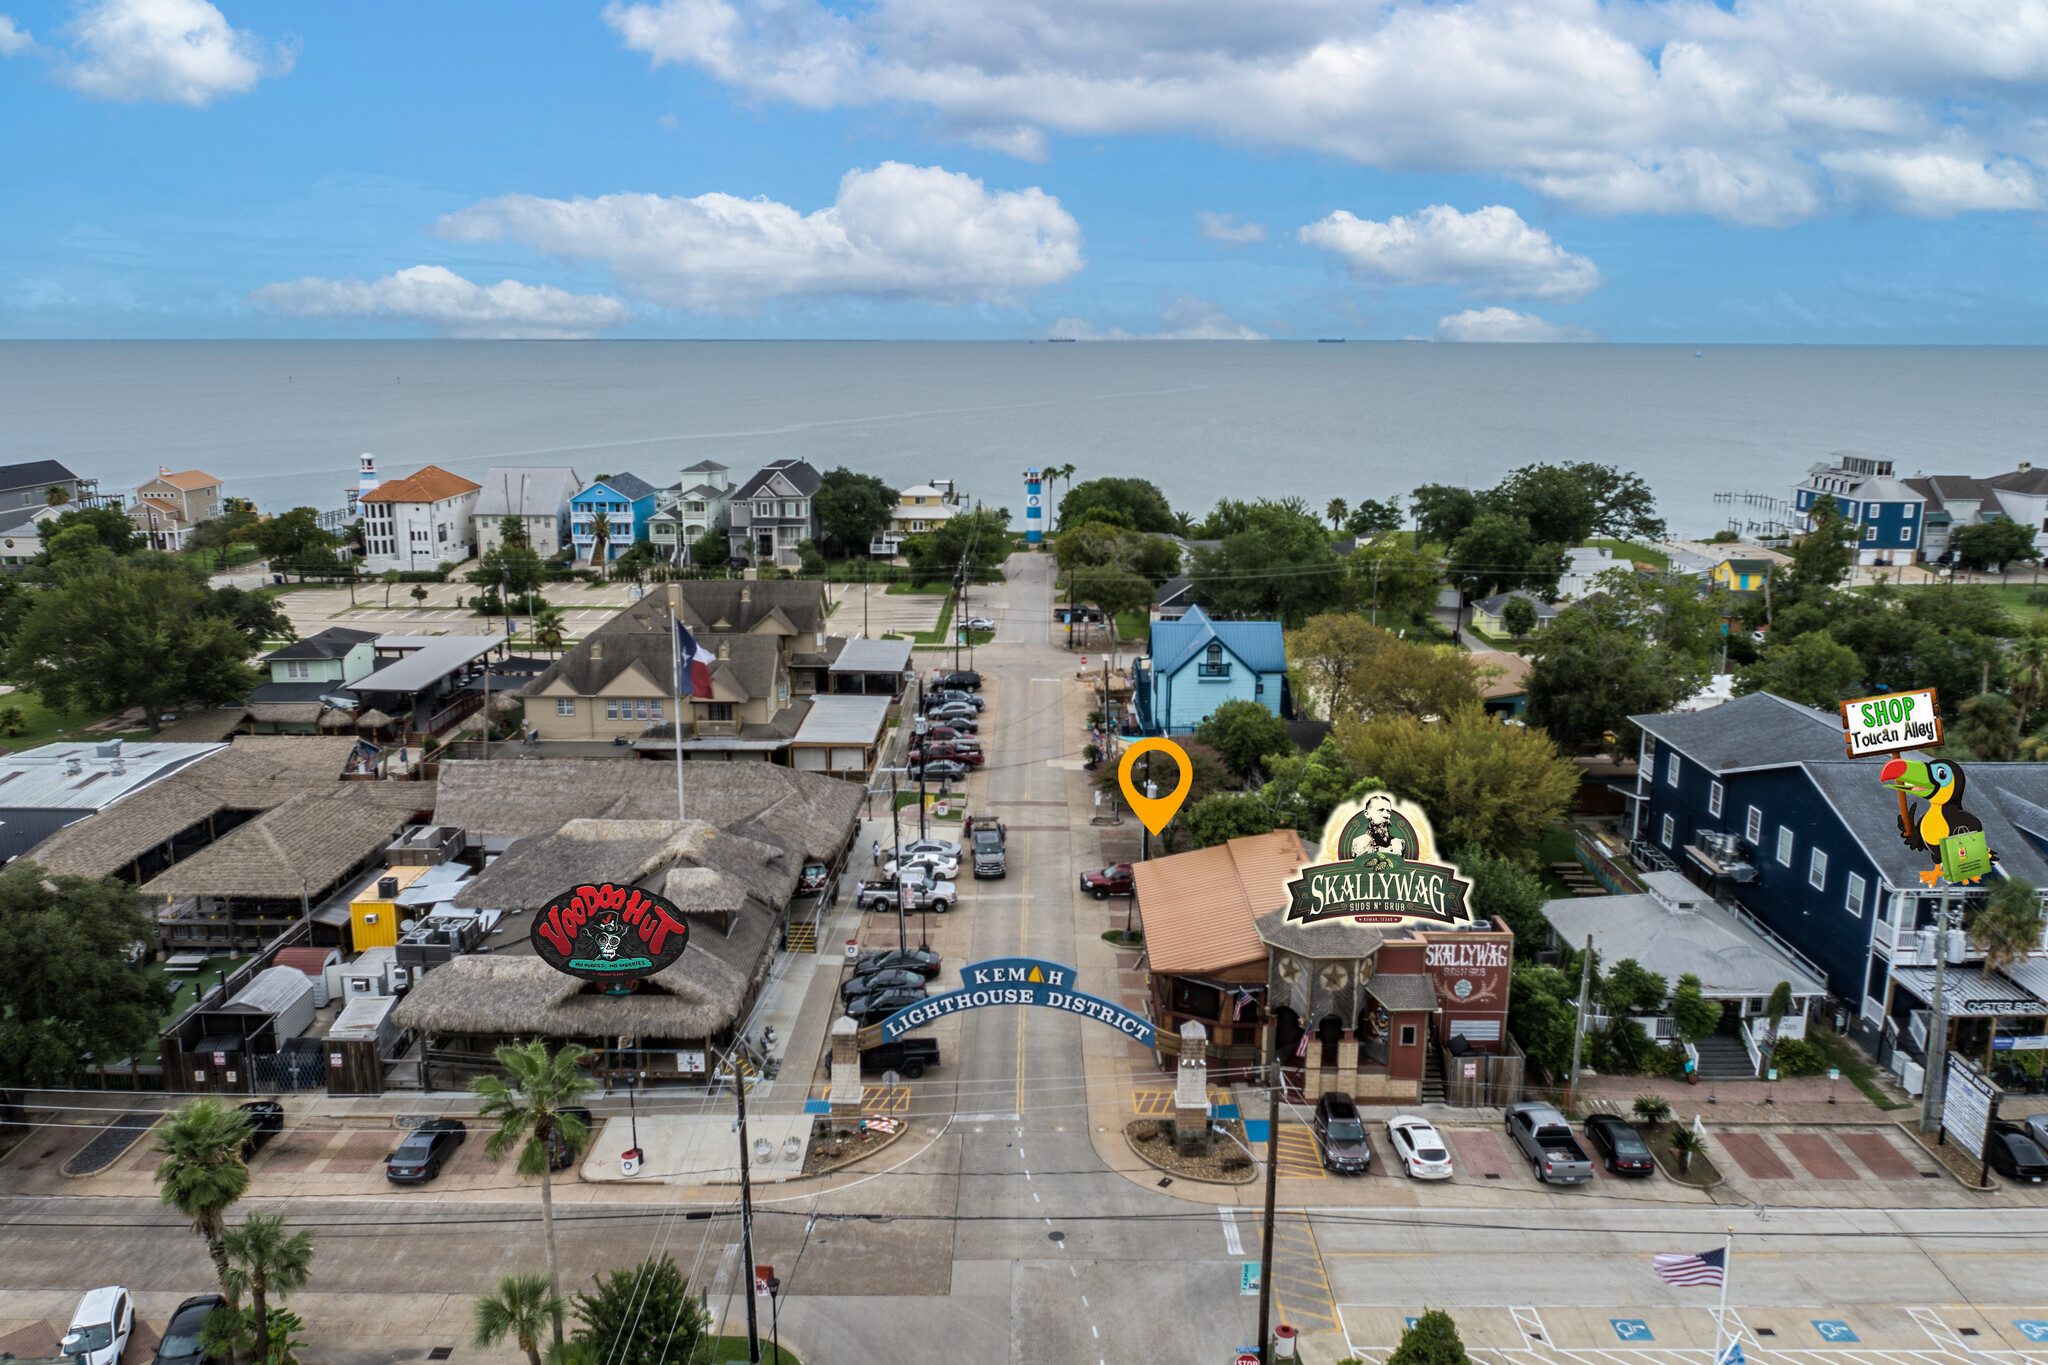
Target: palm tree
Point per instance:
(550, 628)
(1336, 512)
(2030, 672)
(1688, 1145)
(2008, 924)
(601, 531)
(1184, 524)
(520, 1309)
(202, 1174)
(264, 1261)
(526, 1104)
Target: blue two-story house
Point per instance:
(1756, 801)
(1890, 512)
(1196, 664)
(628, 504)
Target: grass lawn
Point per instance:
(1854, 1065)
(2012, 595)
(1627, 549)
(1134, 625)
(905, 589)
(735, 1348)
(45, 725)
(1555, 845)
(187, 988)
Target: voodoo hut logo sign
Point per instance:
(604, 932)
(1379, 867)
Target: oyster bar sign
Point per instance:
(1380, 869)
(605, 932)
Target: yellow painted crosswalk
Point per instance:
(1300, 1159)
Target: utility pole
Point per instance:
(1579, 1030)
(739, 1086)
(1272, 1187)
(1932, 1096)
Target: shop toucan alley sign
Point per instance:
(1018, 981)
(1379, 868)
(1888, 724)
(605, 932)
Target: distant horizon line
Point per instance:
(1018, 341)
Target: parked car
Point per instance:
(1114, 880)
(100, 1326)
(1546, 1139)
(907, 1057)
(2014, 1154)
(960, 721)
(927, 864)
(1620, 1144)
(953, 713)
(953, 696)
(870, 1009)
(562, 1153)
(266, 1121)
(964, 678)
(419, 1158)
(973, 757)
(1419, 1147)
(2037, 1129)
(923, 961)
(180, 1344)
(938, 769)
(989, 858)
(958, 732)
(980, 623)
(888, 978)
(929, 844)
(1340, 1132)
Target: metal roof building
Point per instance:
(45, 789)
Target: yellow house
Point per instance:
(1741, 575)
(373, 915)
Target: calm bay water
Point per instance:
(283, 422)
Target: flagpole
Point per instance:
(675, 649)
(1727, 1269)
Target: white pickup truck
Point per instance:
(926, 893)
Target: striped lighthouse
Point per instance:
(1034, 507)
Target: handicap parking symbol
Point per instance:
(1411, 1323)
(2033, 1329)
(1632, 1329)
(1831, 1330)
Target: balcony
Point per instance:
(718, 728)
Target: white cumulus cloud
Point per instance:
(452, 305)
(1490, 251)
(1185, 319)
(1505, 324)
(1224, 228)
(168, 51)
(1676, 107)
(894, 232)
(14, 41)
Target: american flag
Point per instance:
(1301, 1048)
(1675, 1267)
(1237, 1011)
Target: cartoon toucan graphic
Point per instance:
(1940, 784)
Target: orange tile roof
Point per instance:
(431, 483)
(188, 479)
(1198, 907)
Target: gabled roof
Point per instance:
(1199, 906)
(799, 474)
(1172, 592)
(332, 643)
(34, 474)
(704, 467)
(631, 487)
(187, 479)
(2011, 799)
(1729, 957)
(1493, 605)
(709, 492)
(1259, 645)
(1756, 731)
(511, 491)
(431, 483)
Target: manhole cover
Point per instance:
(1057, 1238)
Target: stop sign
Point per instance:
(1248, 1358)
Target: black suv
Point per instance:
(562, 1152)
(1340, 1132)
(965, 678)
(266, 1121)
(908, 1057)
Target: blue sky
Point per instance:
(1780, 171)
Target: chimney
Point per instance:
(747, 590)
(2024, 467)
(597, 649)
(725, 649)
(163, 471)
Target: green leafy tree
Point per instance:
(1478, 780)
(291, 536)
(217, 534)
(13, 721)
(1373, 517)
(418, 594)
(1692, 1014)
(1518, 615)
(1337, 510)
(1394, 581)
(1117, 591)
(1623, 505)
(1225, 816)
(809, 561)
(1553, 499)
(1442, 513)
(1305, 788)
(1637, 646)
(1810, 669)
(1630, 987)
(509, 567)
(202, 1174)
(852, 510)
(1986, 728)
(264, 1261)
(2007, 923)
(979, 538)
(1211, 774)
(526, 1104)
(1543, 1014)
(512, 531)
(1246, 734)
(56, 495)
(522, 1308)
(601, 535)
(1274, 562)
(1099, 544)
(229, 1334)
(255, 614)
(1824, 556)
(1502, 887)
(550, 629)
(1994, 544)
(710, 550)
(2027, 676)
(1136, 503)
(645, 1315)
(84, 530)
(1433, 1340)
(1497, 552)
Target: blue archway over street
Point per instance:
(1018, 981)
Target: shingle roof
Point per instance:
(1756, 731)
(510, 491)
(1494, 605)
(431, 483)
(34, 474)
(704, 467)
(332, 643)
(1260, 645)
(640, 635)
(2010, 798)
(1199, 906)
(628, 486)
(1402, 991)
(799, 473)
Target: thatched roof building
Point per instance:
(712, 874)
(306, 846)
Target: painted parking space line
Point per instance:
(1299, 1157)
(1151, 1103)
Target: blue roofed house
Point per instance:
(627, 503)
(1196, 664)
(1888, 509)
(1756, 801)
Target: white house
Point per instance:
(537, 496)
(419, 522)
(774, 512)
(1582, 566)
(700, 501)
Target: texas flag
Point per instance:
(696, 659)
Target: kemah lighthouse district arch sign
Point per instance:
(1379, 868)
(1018, 981)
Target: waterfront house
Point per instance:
(167, 507)
(920, 508)
(21, 538)
(33, 483)
(626, 502)
(698, 502)
(418, 522)
(1887, 509)
(538, 497)
(774, 512)
(1195, 664)
(1740, 575)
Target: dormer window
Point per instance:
(1213, 663)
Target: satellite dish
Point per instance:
(405, 926)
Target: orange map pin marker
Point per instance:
(1152, 813)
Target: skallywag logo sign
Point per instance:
(1379, 868)
(604, 932)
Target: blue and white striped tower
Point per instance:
(1034, 508)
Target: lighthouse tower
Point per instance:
(366, 479)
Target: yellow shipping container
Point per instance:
(373, 921)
